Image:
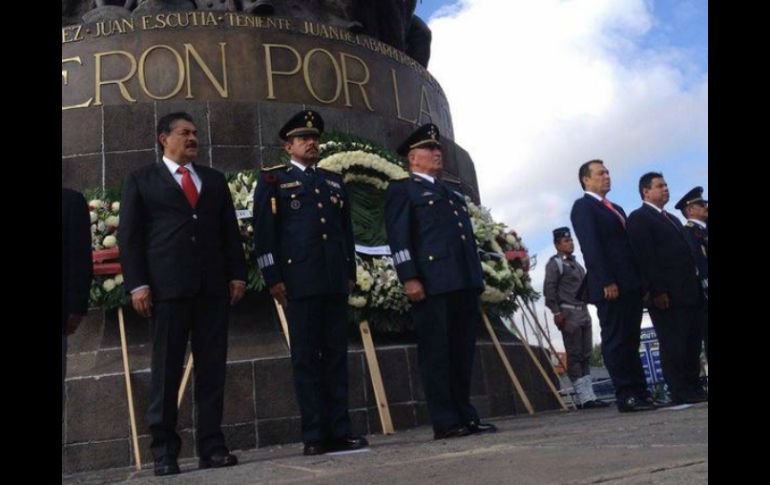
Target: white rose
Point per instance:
(110, 242)
(119, 279)
(510, 239)
(357, 301)
(113, 221)
(93, 216)
(108, 284)
(95, 204)
(115, 206)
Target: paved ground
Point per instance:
(668, 446)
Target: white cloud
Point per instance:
(537, 87)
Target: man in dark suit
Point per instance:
(670, 277)
(612, 284)
(76, 269)
(431, 238)
(304, 247)
(183, 262)
(696, 210)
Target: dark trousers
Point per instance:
(446, 340)
(621, 322)
(318, 329)
(204, 321)
(578, 342)
(680, 332)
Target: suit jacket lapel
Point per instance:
(606, 209)
(205, 181)
(166, 176)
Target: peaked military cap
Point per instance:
(426, 136)
(691, 197)
(307, 122)
(560, 232)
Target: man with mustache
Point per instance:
(183, 263)
(304, 247)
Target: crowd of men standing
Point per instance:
(184, 267)
(646, 259)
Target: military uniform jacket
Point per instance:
(561, 285)
(303, 232)
(431, 236)
(698, 237)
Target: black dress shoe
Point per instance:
(314, 449)
(634, 404)
(454, 432)
(166, 466)
(477, 427)
(347, 443)
(218, 460)
(593, 404)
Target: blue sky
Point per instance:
(621, 80)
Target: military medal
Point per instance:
(295, 204)
(273, 205)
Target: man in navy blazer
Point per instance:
(696, 210)
(612, 283)
(183, 263)
(670, 277)
(435, 254)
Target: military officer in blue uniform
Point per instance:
(696, 210)
(305, 250)
(436, 258)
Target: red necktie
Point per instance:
(608, 204)
(188, 186)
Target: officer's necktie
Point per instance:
(310, 172)
(188, 186)
(609, 205)
(669, 218)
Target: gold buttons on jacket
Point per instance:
(462, 236)
(289, 261)
(430, 202)
(430, 258)
(317, 191)
(460, 224)
(325, 236)
(323, 220)
(320, 205)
